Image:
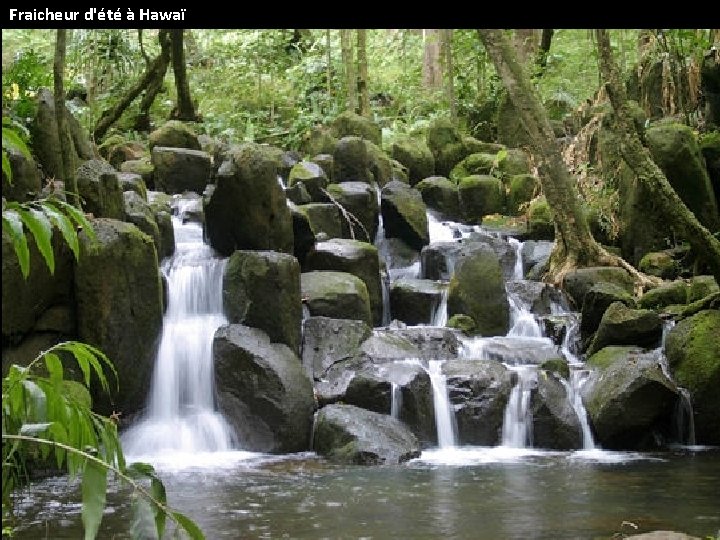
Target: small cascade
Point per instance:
(439, 231)
(181, 416)
(444, 417)
(281, 182)
(383, 248)
(396, 400)
(440, 314)
(578, 377)
(522, 321)
(517, 424)
(570, 340)
(516, 244)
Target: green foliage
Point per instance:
(27, 73)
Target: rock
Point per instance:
(119, 308)
(464, 323)
(700, 287)
(117, 150)
(361, 201)
(441, 133)
(516, 162)
(380, 165)
(522, 191)
(247, 209)
(662, 535)
(674, 292)
(433, 342)
(326, 163)
(99, 188)
(404, 214)
(25, 177)
(542, 298)
(557, 366)
(399, 172)
(354, 257)
(416, 156)
(449, 147)
(45, 141)
(174, 134)
(477, 289)
(630, 401)
(324, 219)
(351, 161)
(710, 148)
(475, 164)
(167, 233)
(178, 169)
(414, 301)
(337, 295)
(621, 325)
(597, 300)
(312, 176)
(139, 213)
(480, 196)
(439, 259)
(676, 151)
(327, 341)
(555, 423)
(389, 346)
(534, 253)
(298, 194)
(578, 282)
(349, 123)
(693, 352)
(303, 235)
(143, 167)
(320, 140)
(351, 435)
(261, 289)
(660, 264)
(607, 356)
(262, 390)
(541, 225)
(440, 194)
(133, 182)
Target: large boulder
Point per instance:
(555, 422)
(440, 258)
(477, 289)
(480, 195)
(479, 163)
(621, 325)
(350, 123)
(675, 149)
(119, 307)
(351, 161)
(597, 300)
(669, 293)
(312, 176)
(522, 189)
(25, 177)
(360, 200)
(416, 156)
(440, 194)
(262, 390)
(578, 282)
(404, 214)
(478, 391)
(99, 187)
(139, 213)
(174, 134)
(247, 208)
(337, 295)
(324, 219)
(382, 168)
(261, 289)
(630, 401)
(179, 169)
(354, 257)
(415, 301)
(327, 341)
(693, 351)
(351, 435)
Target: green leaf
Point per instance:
(12, 225)
(78, 217)
(35, 398)
(157, 490)
(39, 225)
(189, 526)
(10, 139)
(63, 223)
(6, 168)
(34, 429)
(94, 487)
(143, 522)
(54, 366)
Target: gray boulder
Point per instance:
(327, 341)
(404, 214)
(414, 301)
(621, 325)
(337, 295)
(179, 169)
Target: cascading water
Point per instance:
(578, 377)
(440, 314)
(517, 423)
(181, 416)
(384, 251)
(396, 400)
(444, 418)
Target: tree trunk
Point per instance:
(449, 73)
(151, 80)
(574, 243)
(525, 41)
(185, 109)
(155, 84)
(545, 42)
(432, 72)
(639, 160)
(348, 59)
(328, 63)
(363, 72)
(67, 150)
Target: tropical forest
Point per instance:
(361, 283)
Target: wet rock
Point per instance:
(312, 176)
(404, 214)
(324, 219)
(414, 301)
(177, 169)
(555, 423)
(578, 282)
(360, 200)
(621, 325)
(597, 299)
(139, 213)
(174, 134)
(327, 341)
(441, 195)
(337, 295)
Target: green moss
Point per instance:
(700, 287)
(442, 133)
(660, 264)
(465, 323)
(607, 356)
(540, 221)
(559, 366)
(522, 189)
(350, 123)
(473, 164)
(667, 294)
(481, 195)
(515, 162)
(174, 134)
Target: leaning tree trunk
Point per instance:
(639, 160)
(155, 84)
(153, 75)
(66, 145)
(348, 60)
(574, 245)
(363, 72)
(185, 109)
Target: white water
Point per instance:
(181, 417)
(396, 400)
(444, 418)
(440, 315)
(383, 248)
(517, 423)
(578, 378)
(439, 231)
(522, 321)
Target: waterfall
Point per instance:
(444, 418)
(181, 416)
(518, 273)
(396, 400)
(522, 321)
(440, 313)
(383, 248)
(578, 378)
(439, 231)
(517, 423)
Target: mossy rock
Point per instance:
(621, 325)
(379, 164)
(416, 156)
(99, 188)
(578, 282)
(440, 194)
(693, 351)
(558, 366)
(441, 133)
(312, 176)
(319, 140)
(541, 225)
(174, 134)
(597, 300)
(465, 323)
(350, 123)
(351, 161)
(660, 264)
(26, 182)
(404, 214)
(516, 162)
(133, 182)
(139, 213)
(710, 148)
(414, 301)
(521, 192)
(481, 195)
(473, 164)
(700, 287)
(607, 356)
(360, 200)
(675, 292)
(337, 295)
(324, 219)
(327, 163)
(143, 167)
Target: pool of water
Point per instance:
(478, 493)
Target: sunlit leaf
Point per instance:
(189, 526)
(63, 223)
(12, 225)
(54, 366)
(94, 487)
